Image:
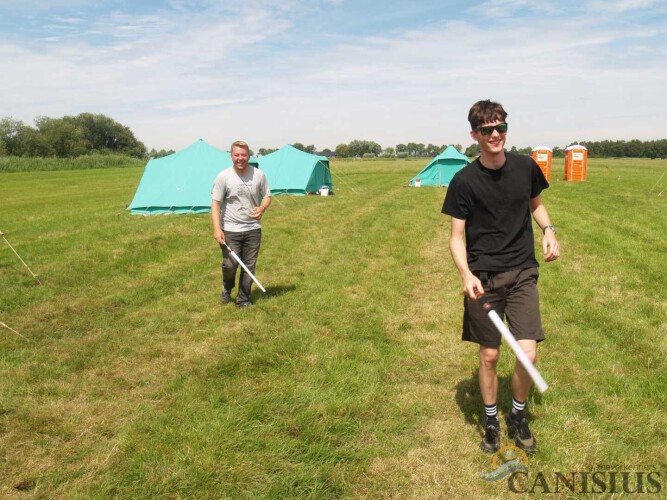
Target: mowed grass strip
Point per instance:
(347, 379)
(604, 312)
(103, 320)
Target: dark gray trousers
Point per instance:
(246, 246)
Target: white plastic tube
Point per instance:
(520, 355)
(245, 268)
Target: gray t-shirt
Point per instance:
(238, 195)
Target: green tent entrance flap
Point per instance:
(180, 182)
(441, 169)
(292, 171)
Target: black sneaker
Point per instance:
(517, 428)
(491, 439)
(225, 296)
(247, 303)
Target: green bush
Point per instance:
(22, 164)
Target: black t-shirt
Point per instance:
(495, 205)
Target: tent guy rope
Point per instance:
(26, 265)
(9, 328)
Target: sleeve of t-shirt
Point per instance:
(265, 190)
(539, 182)
(219, 188)
(457, 202)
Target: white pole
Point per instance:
(245, 268)
(520, 355)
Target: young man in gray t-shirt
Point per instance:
(240, 196)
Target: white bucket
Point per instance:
(324, 191)
(418, 183)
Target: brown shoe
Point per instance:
(517, 428)
(491, 439)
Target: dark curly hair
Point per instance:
(485, 112)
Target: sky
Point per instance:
(326, 72)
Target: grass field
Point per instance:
(347, 379)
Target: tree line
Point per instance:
(596, 149)
(68, 137)
(369, 149)
(88, 133)
(626, 149)
(603, 149)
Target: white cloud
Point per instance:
(620, 6)
(35, 6)
(188, 104)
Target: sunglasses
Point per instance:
(501, 128)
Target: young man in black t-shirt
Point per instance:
(491, 202)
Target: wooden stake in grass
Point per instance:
(26, 265)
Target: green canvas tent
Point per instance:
(180, 182)
(292, 171)
(441, 169)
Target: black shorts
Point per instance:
(513, 295)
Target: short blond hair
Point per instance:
(240, 144)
